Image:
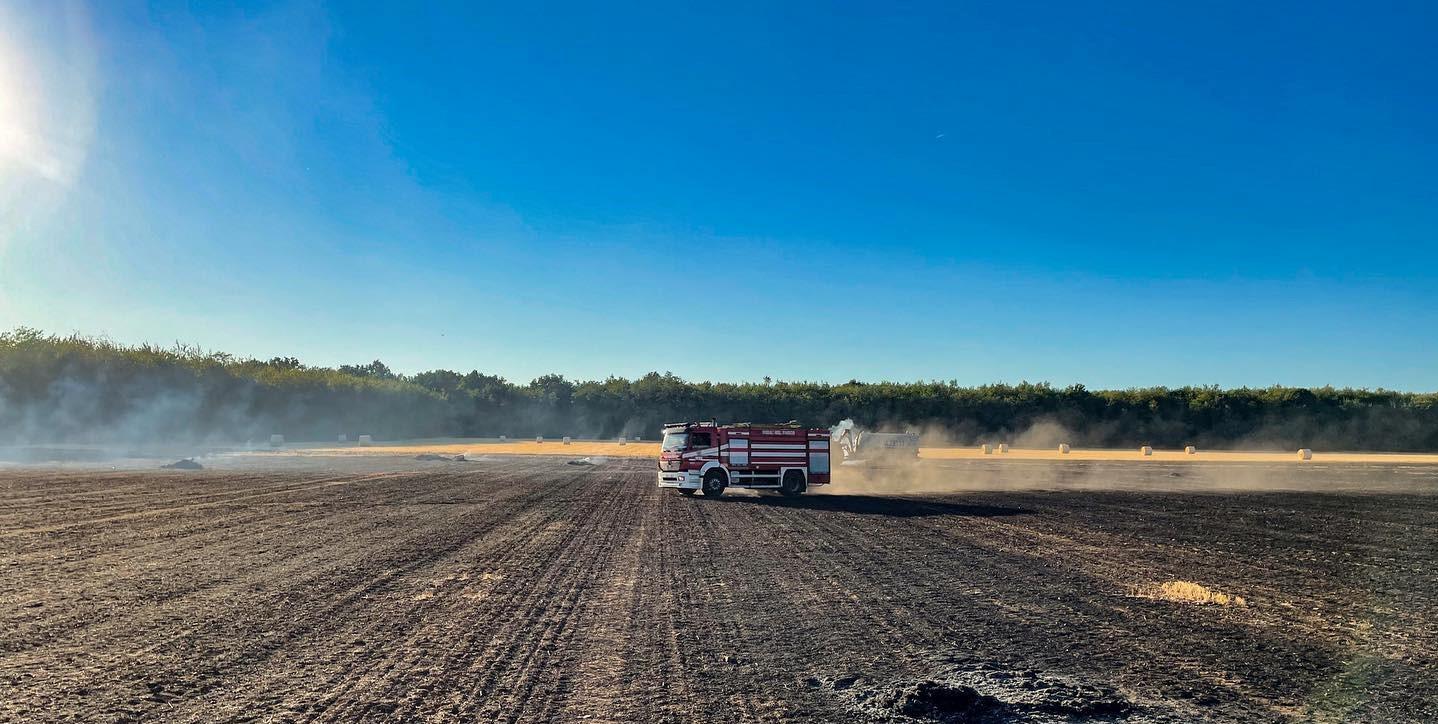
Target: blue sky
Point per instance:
(1118, 195)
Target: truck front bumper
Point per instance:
(679, 479)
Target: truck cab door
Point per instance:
(701, 441)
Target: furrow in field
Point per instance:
(350, 657)
(157, 637)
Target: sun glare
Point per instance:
(16, 136)
(47, 112)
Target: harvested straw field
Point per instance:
(650, 450)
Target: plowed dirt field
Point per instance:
(524, 589)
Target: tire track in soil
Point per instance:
(624, 628)
(654, 650)
(359, 690)
(718, 646)
(523, 636)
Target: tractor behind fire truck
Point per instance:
(785, 458)
(856, 446)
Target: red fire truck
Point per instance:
(785, 458)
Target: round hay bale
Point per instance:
(539, 438)
(1003, 447)
(621, 440)
(1190, 450)
(1146, 451)
(566, 439)
(1063, 448)
(987, 448)
(503, 438)
(1305, 454)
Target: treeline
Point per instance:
(80, 389)
(83, 389)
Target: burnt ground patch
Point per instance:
(525, 589)
(987, 692)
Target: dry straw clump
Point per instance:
(1185, 592)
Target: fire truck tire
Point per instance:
(792, 484)
(714, 483)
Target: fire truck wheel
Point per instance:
(714, 483)
(792, 484)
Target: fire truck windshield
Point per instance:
(674, 441)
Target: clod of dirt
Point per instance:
(596, 460)
(157, 693)
(939, 701)
(460, 458)
(984, 693)
(186, 464)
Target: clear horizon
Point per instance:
(1140, 197)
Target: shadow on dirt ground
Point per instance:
(893, 507)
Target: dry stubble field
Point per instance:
(524, 589)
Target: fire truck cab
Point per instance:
(703, 456)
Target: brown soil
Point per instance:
(525, 589)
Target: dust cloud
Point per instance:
(958, 476)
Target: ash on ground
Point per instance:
(985, 692)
